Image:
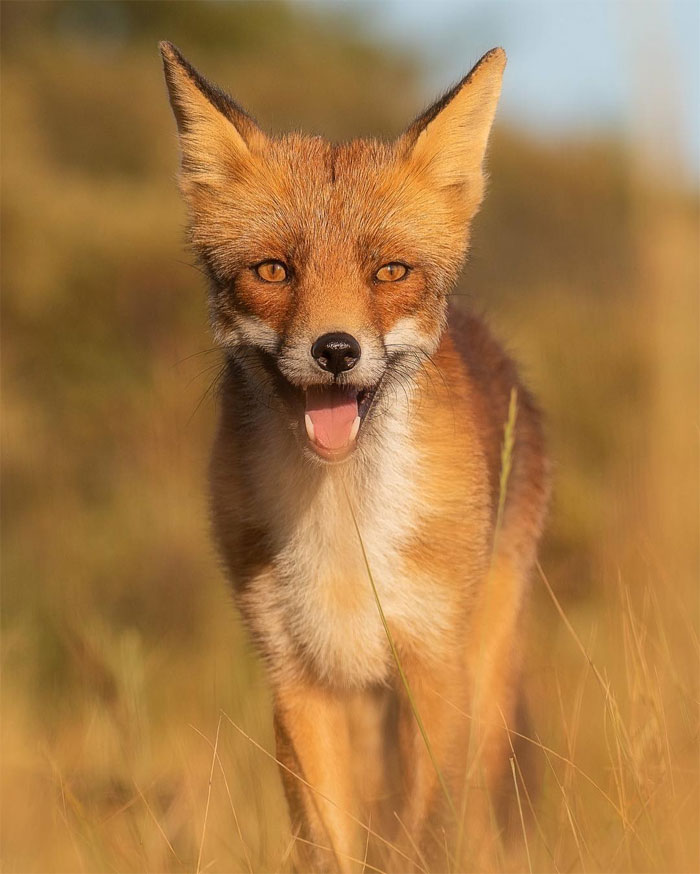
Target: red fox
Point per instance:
(355, 472)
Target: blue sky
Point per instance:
(575, 66)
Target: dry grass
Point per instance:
(153, 776)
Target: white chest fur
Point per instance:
(324, 595)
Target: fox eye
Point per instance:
(272, 271)
(391, 272)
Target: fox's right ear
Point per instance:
(449, 140)
(216, 135)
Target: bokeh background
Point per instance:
(136, 731)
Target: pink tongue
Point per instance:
(332, 412)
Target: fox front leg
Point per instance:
(431, 761)
(314, 749)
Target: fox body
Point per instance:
(358, 458)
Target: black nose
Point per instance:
(336, 352)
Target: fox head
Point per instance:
(330, 265)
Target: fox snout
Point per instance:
(332, 383)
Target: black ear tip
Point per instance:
(496, 54)
(169, 52)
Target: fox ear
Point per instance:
(215, 133)
(449, 140)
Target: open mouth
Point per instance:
(333, 417)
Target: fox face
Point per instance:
(330, 265)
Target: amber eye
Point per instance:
(391, 272)
(272, 271)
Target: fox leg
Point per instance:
(430, 803)
(467, 706)
(493, 666)
(313, 742)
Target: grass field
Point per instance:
(136, 726)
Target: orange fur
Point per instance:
(420, 479)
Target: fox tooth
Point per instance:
(310, 427)
(355, 428)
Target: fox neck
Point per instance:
(312, 509)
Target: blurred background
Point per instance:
(136, 731)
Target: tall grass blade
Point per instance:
(230, 798)
(206, 809)
(399, 668)
(520, 811)
(506, 462)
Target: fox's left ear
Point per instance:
(449, 140)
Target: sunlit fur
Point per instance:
(421, 486)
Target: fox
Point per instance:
(356, 476)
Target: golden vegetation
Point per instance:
(136, 732)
